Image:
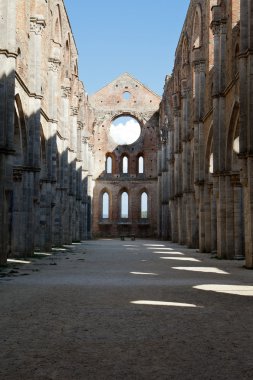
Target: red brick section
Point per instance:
(143, 105)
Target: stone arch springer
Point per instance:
(21, 124)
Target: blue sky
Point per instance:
(134, 36)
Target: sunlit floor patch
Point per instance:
(161, 247)
(144, 274)
(131, 245)
(241, 290)
(42, 254)
(18, 261)
(180, 258)
(162, 303)
(169, 253)
(202, 269)
(153, 245)
(59, 249)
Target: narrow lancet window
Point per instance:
(109, 165)
(105, 206)
(124, 205)
(144, 205)
(141, 165)
(125, 165)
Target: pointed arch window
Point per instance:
(124, 205)
(125, 165)
(67, 59)
(144, 205)
(140, 165)
(108, 165)
(105, 206)
(196, 37)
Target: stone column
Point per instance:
(246, 122)
(7, 92)
(219, 129)
(199, 146)
(49, 216)
(238, 226)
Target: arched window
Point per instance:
(211, 163)
(105, 206)
(125, 165)
(141, 165)
(196, 35)
(67, 59)
(108, 165)
(185, 57)
(144, 205)
(124, 205)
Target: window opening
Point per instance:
(125, 165)
(126, 95)
(125, 130)
(144, 205)
(124, 205)
(141, 165)
(109, 165)
(105, 207)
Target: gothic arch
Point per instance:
(122, 191)
(233, 133)
(197, 28)
(20, 134)
(67, 57)
(43, 155)
(209, 151)
(57, 26)
(104, 191)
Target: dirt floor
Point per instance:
(111, 309)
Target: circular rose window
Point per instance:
(125, 130)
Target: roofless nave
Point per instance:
(188, 176)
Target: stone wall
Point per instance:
(205, 175)
(108, 104)
(44, 163)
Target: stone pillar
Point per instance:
(246, 121)
(238, 218)
(50, 218)
(7, 92)
(219, 129)
(199, 146)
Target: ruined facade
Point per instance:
(136, 179)
(62, 176)
(44, 159)
(205, 173)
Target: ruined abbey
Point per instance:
(187, 176)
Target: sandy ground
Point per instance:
(92, 311)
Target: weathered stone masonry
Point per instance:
(44, 172)
(205, 123)
(143, 105)
(196, 142)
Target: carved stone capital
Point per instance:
(66, 91)
(54, 65)
(199, 66)
(85, 140)
(17, 174)
(185, 90)
(37, 25)
(74, 111)
(80, 125)
(215, 26)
